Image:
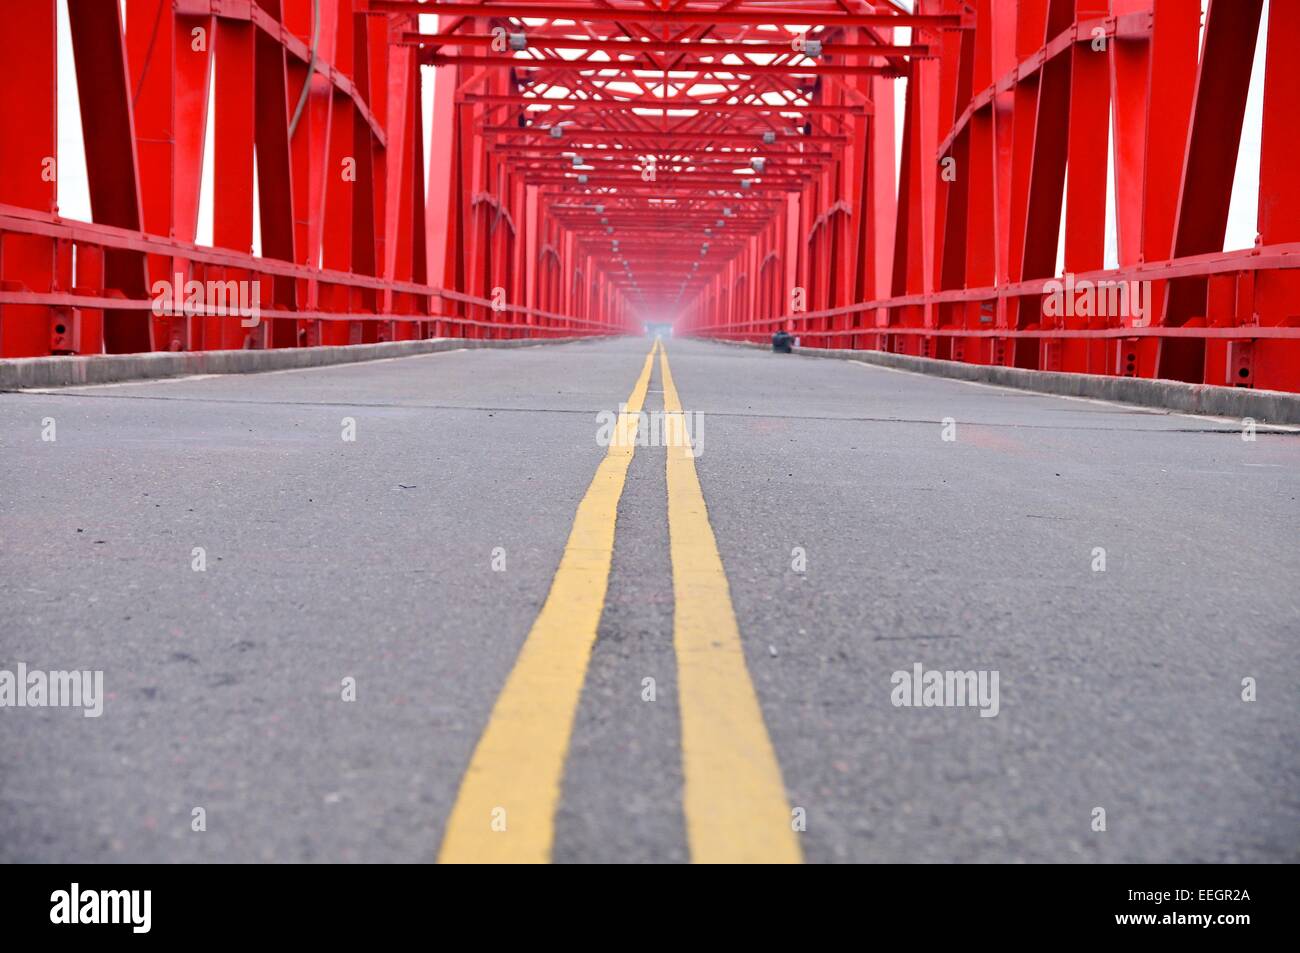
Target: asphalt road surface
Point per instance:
(1122, 571)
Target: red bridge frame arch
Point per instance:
(729, 164)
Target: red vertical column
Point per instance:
(105, 95)
(1277, 363)
(1086, 185)
(28, 167)
(1219, 109)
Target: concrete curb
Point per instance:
(1264, 406)
(65, 371)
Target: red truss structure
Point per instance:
(727, 165)
(317, 130)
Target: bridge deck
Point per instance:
(373, 559)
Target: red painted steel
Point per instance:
(338, 175)
(664, 146)
(728, 165)
(1004, 154)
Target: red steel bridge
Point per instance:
(727, 165)
(464, 596)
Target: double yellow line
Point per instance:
(734, 800)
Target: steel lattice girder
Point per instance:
(993, 125)
(340, 177)
(598, 164)
(613, 120)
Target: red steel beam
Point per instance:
(683, 66)
(756, 16)
(634, 46)
(663, 106)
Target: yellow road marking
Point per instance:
(734, 799)
(514, 778)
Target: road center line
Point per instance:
(505, 811)
(734, 799)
